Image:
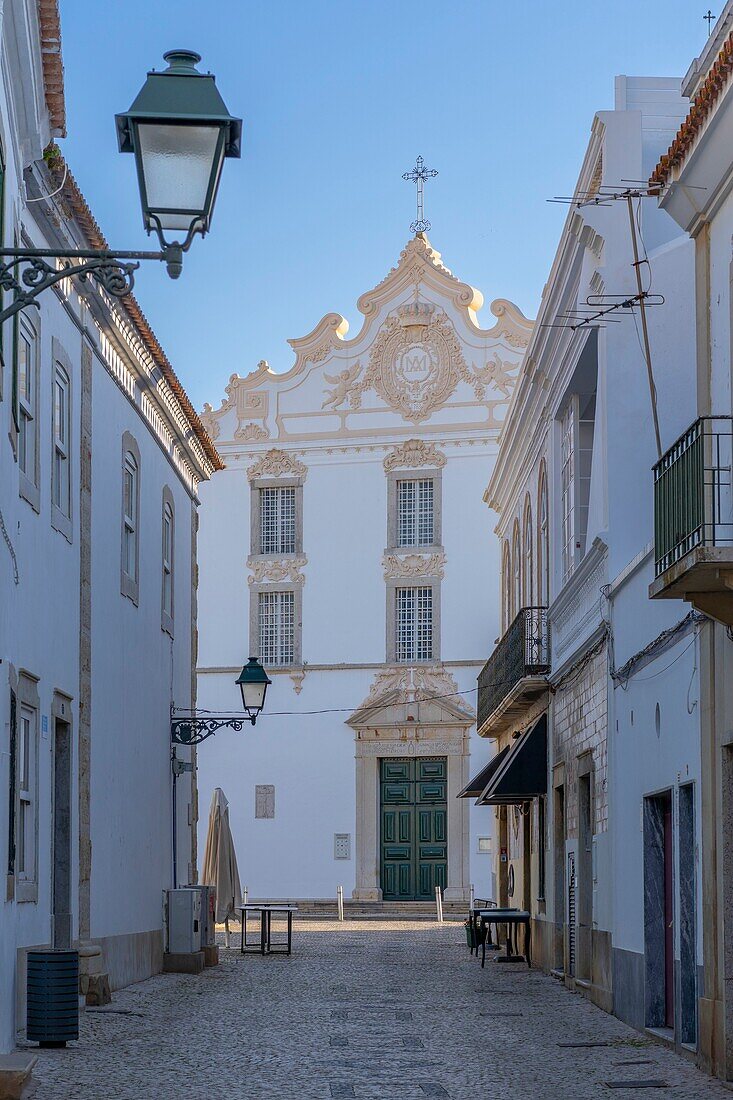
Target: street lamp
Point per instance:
(253, 682)
(180, 132)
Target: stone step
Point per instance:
(327, 909)
(15, 1075)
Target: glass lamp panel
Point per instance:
(253, 696)
(177, 165)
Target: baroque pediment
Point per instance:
(420, 351)
(424, 695)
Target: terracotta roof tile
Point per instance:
(53, 65)
(701, 107)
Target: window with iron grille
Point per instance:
(276, 614)
(415, 512)
(277, 520)
(414, 624)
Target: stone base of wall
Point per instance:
(598, 986)
(543, 949)
(628, 987)
(132, 956)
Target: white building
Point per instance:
(345, 544)
(693, 545)
(612, 874)
(100, 458)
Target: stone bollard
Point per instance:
(93, 982)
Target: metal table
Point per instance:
(264, 944)
(511, 918)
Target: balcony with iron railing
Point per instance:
(515, 674)
(693, 519)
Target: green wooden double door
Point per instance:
(414, 841)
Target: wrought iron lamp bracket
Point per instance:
(27, 272)
(192, 731)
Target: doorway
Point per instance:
(61, 837)
(585, 877)
(688, 918)
(659, 910)
(559, 875)
(414, 840)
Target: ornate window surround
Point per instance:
(276, 468)
(413, 565)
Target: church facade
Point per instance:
(346, 546)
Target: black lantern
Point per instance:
(253, 682)
(180, 132)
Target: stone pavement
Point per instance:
(371, 1010)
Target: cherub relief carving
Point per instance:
(343, 382)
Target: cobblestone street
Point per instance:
(364, 1010)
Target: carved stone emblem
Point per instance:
(252, 432)
(276, 570)
(415, 364)
(209, 422)
(275, 463)
(414, 453)
(413, 565)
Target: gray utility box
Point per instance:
(184, 920)
(208, 914)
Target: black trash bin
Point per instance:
(52, 1013)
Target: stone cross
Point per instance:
(418, 175)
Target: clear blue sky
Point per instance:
(338, 98)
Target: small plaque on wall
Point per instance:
(264, 800)
(342, 845)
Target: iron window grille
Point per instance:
(277, 520)
(277, 628)
(416, 512)
(693, 502)
(414, 624)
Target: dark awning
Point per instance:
(479, 783)
(523, 773)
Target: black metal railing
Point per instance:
(692, 492)
(523, 651)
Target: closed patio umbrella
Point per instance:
(220, 860)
